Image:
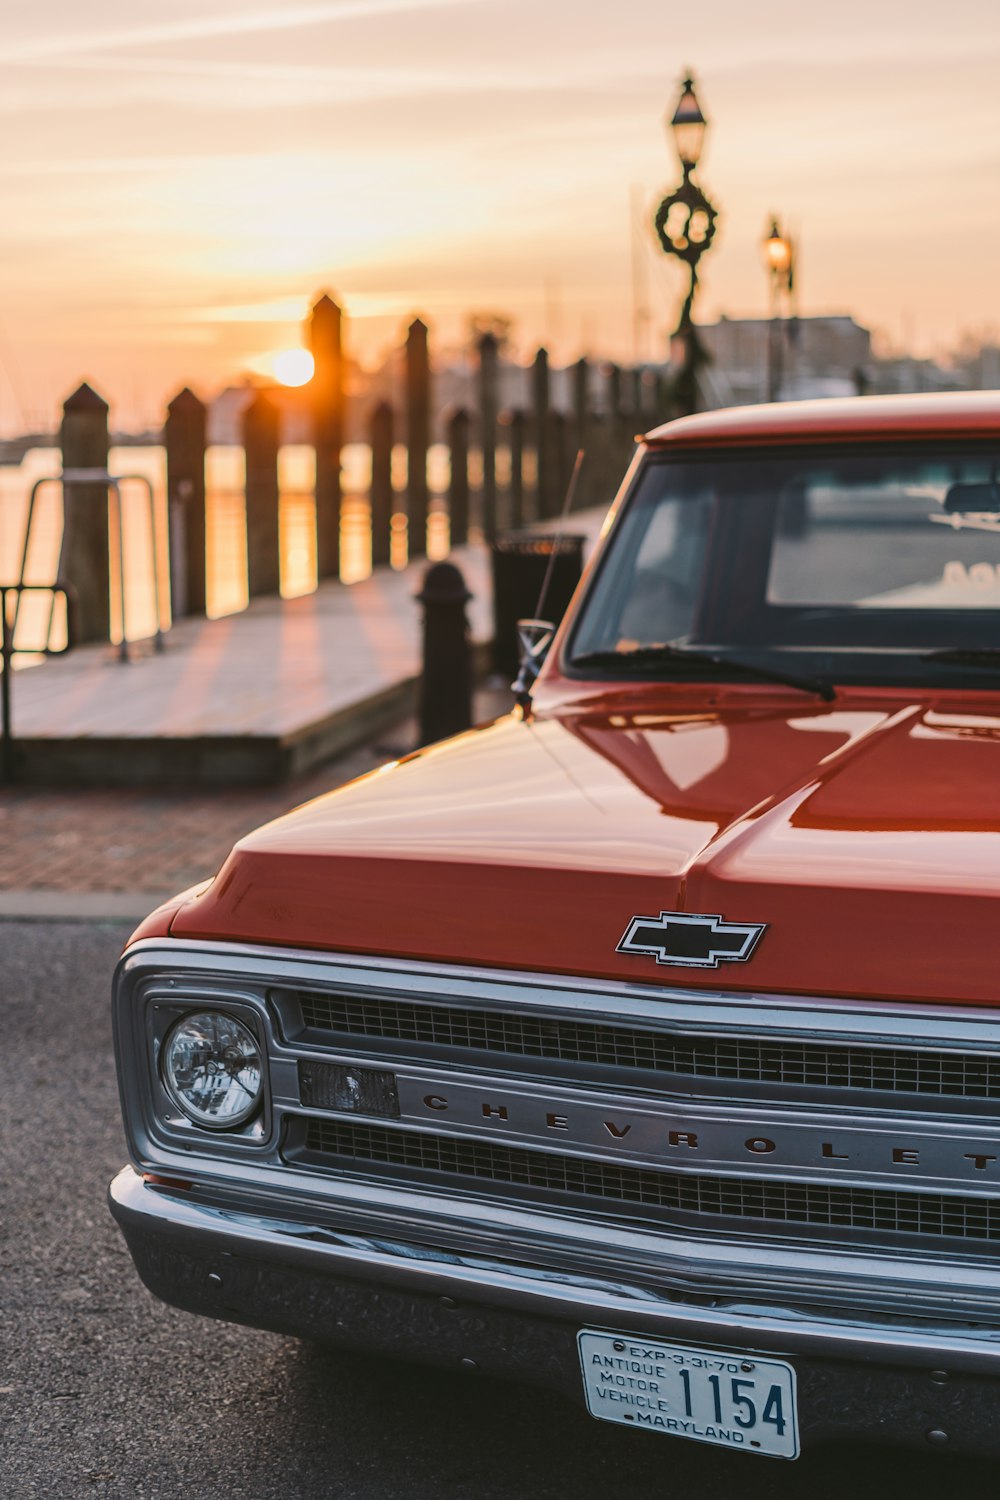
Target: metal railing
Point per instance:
(113, 483)
(8, 650)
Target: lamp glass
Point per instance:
(778, 252)
(688, 126)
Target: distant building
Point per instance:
(823, 356)
(980, 367)
(905, 375)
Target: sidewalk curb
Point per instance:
(79, 906)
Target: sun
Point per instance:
(293, 366)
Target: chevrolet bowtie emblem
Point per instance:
(691, 941)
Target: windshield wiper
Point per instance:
(641, 656)
(965, 656)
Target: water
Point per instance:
(226, 564)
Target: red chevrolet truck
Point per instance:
(644, 1044)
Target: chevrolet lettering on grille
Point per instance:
(691, 940)
(694, 1137)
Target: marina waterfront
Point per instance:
(225, 525)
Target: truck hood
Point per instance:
(864, 834)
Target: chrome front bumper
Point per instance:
(859, 1378)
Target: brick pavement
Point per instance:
(134, 840)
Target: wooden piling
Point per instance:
(185, 439)
(327, 390)
(664, 401)
(84, 556)
(560, 438)
(631, 415)
(515, 424)
(544, 501)
(633, 399)
(458, 482)
(651, 412)
(581, 401)
(599, 482)
(261, 440)
(587, 491)
(489, 379)
(381, 494)
(613, 376)
(621, 426)
(418, 435)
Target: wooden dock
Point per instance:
(246, 699)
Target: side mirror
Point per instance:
(534, 637)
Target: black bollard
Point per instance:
(445, 706)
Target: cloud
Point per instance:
(285, 310)
(201, 28)
(349, 82)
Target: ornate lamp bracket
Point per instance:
(685, 227)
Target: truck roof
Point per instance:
(856, 418)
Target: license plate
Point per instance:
(735, 1401)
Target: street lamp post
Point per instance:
(779, 258)
(685, 226)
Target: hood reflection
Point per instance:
(715, 767)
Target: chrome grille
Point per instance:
(939, 1073)
(638, 1190)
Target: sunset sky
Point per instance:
(179, 181)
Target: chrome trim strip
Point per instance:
(710, 1263)
(569, 1296)
(700, 1012)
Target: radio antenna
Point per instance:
(536, 635)
(567, 504)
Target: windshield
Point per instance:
(853, 565)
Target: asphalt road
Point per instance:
(104, 1392)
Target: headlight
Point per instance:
(213, 1069)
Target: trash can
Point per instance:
(520, 565)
